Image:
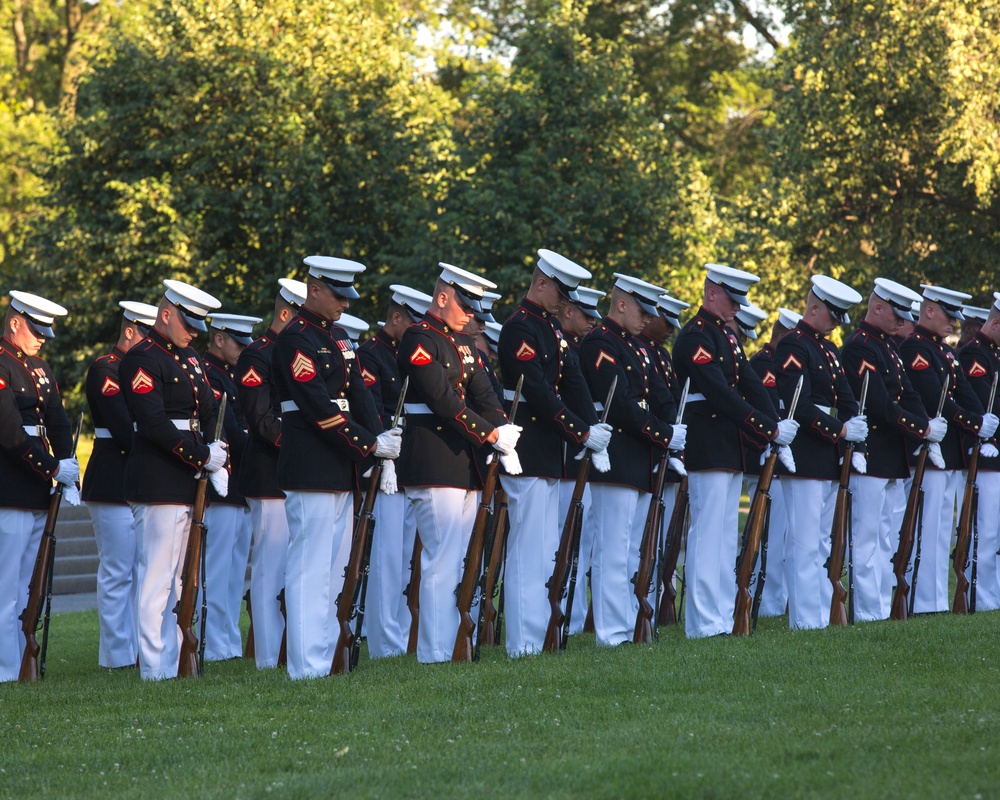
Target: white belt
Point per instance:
(508, 394)
(417, 408)
(180, 424)
(825, 409)
(599, 407)
(696, 397)
(102, 433)
(291, 405)
(34, 430)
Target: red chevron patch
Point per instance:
(251, 378)
(770, 379)
(142, 383)
(370, 379)
(303, 368)
(110, 387)
(217, 393)
(792, 361)
(866, 365)
(701, 356)
(977, 370)
(525, 352)
(919, 362)
(602, 357)
(420, 356)
(3, 383)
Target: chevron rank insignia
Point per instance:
(217, 393)
(370, 379)
(110, 387)
(303, 368)
(791, 362)
(142, 383)
(865, 365)
(701, 356)
(331, 422)
(602, 357)
(420, 356)
(3, 383)
(525, 352)
(977, 370)
(251, 378)
(919, 362)
(770, 379)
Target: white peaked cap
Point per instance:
(486, 315)
(39, 312)
(899, 297)
(292, 291)
(469, 286)
(949, 300)
(567, 274)
(788, 318)
(337, 273)
(671, 308)
(416, 303)
(735, 282)
(355, 326)
(749, 317)
(492, 333)
(836, 296)
(977, 313)
(586, 299)
(139, 313)
(645, 294)
(194, 304)
(239, 326)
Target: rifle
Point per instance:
(840, 530)
(33, 658)
(968, 523)
(754, 531)
(487, 632)
(671, 553)
(351, 600)
(645, 631)
(249, 651)
(466, 589)
(912, 517)
(568, 553)
(412, 593)
(283, 647)
(189, 664)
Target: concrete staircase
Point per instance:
(76, 552)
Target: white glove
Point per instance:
(220, 481)
(507, 436)
(765, 454)
(785, 457)
(856, 429)
(679, 437)
(934, 454)
(787, 428)
(71, 495)
(388, 483)
(69, 471)
(987, 450)
(859, 462)
(511, 463)
(936, 429)
(388, 443)
(601, 461)
(677, 466)
(216, 456)
(600, 437)
(989, 426)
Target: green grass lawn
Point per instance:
(879, 710)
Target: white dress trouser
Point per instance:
(580, 599)
(774, 598)
(238, 580)
(444, 518)
(619, 514)
(161, 535)
(319, 545)
(224, 524)
(114, 530)
(870, 497)
(387, 618)
(713, 544)
(809, 506)
(931, 590)
(20, 534)
(892, 520)
(267, 576)
(987, 580)
(533, 509)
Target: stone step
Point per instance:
(68, 513)
(76, 565)
(74, 584)
(71, 546)
(76, 529)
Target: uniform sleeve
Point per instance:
(231, 427)
(860, 358)
(27, 451)
(254, 388)
(107, 403)
(58, 428)
(927, 382)
(979, 376)
(791, 360)
(371, 374)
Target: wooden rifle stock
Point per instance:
(345, 651)
(568, 552)
(464, 649)
(249, 650)
(413, 595)
(487, 633)
(671, 554)
(967, 521)
(187, 603)
(40, 587)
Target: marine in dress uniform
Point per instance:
(258, 475)
(174, 411)
(774, 598)
(929, 361)
(37, 447)
(726, 403)
(104, 493)
(638, 417)
(974, 319)
(387, 616)
(451, 411)
(331, 432)
(980, 360)
(828, 414)
(897, 424)
(556, 409)
(227, 546)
